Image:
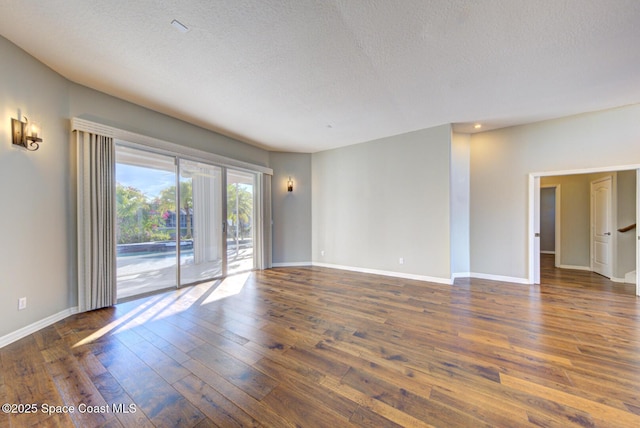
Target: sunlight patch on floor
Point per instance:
(230, 286)
(119, 322)
(169, 304)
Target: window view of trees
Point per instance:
(139, 220)
(239, 211)
(167, 202)
(143, 219)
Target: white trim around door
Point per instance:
(534, 205)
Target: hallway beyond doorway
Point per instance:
(573, 278)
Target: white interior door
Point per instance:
(536, 230)
(601, 226)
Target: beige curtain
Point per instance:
(263, 235)
(96, 221)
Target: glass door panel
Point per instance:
(200, 197)
(240, 218)
(145, 222)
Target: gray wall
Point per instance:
(38, 219)
(501, 161)
(378, 201)
(291, 210)
(92, 105)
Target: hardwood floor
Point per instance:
(316, 347)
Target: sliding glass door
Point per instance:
(201, 243)
(180, 221)
(240, 220)
(146, 221)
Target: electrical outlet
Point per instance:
(401, 260)
(22, 303)
(322, 252)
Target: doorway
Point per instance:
(551, 221)
(623, 231)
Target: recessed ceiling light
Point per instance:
(179, 26)
(477, 126)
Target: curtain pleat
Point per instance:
(96, 221)
(264, 258)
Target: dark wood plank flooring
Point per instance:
(315, 347)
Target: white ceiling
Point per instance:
(305, 75)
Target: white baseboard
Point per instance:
(403, 275)
(547, 252)
(38, 325)
(500, 278)
(292, 264)
(614, 279)
(575, 267)
(437, 280)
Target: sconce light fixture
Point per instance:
(25, 134)
(290, 185)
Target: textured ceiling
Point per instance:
(305, 75)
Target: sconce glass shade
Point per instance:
(31, 129)
(25, 134)
(290, 185)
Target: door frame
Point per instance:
(637, 232)
(533, 276)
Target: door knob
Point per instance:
(608, 233)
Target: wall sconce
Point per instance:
(290, 185)
(25, 134)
